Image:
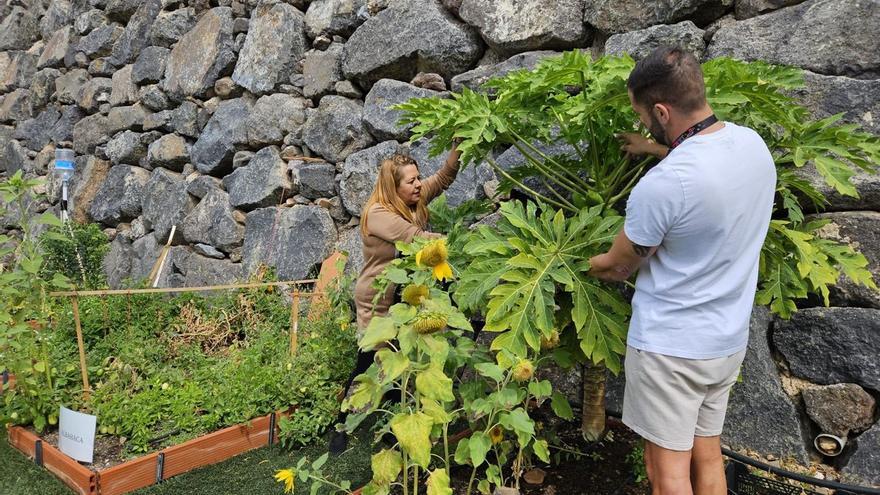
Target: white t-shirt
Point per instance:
(707, 206)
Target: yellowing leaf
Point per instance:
(413, 431)
(386, 465)
(438, 483)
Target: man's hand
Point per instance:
(634, 144)
(621, 261)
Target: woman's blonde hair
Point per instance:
(385, 194)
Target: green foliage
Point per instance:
(581, 103)
(75, 251)
(533, 263)
(25, 345)
(636, 461)
(453, 222)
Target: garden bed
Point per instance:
(151, 468)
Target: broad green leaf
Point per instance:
(561, 407)
(541, 450)
(479, 445)
(490, 370)
(393, 364)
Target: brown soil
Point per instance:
(108, 449)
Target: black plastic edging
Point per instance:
(834, 485)
(160, 467)
(38, 453)
(271, 429)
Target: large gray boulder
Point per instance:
(123, 90)
(861, 230)
(322, 70)
(18, 30)
(166, 203)
(864, 464)
(169, 151)
(134, 39)
(260, 183)
(468, 184)
(359, 174)
(840, 408)
(90, 132)
(410, 37)
(760, 415)
(750, 8)
(832, 345)
(37, 132)
(848, 44)
(68, 86)
(185, 120)
(59, 14)
(90, 174)
(222, 136)
(201, 55)
(336, 128)
(380, 118)
(116, 264)
(95, 92)
(169, 27)
(100, 42)
(16, 70)
(150, 65)
(122, 118)
(329, 17)
(42, 86)
(212, 222)
(350, 242)
(475, 78)
(857, 99)
(314, 180)
(620, 16)
(56, 48)
(275, 42)
(120, 196)
(638, 44)
(128, 147)
(200, 271)
(275, 117)
(514, 26)
(16, 106)
(292, 240)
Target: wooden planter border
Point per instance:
(151, 468)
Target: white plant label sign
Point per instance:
(76, 434)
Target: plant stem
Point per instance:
(471, 480)
(577, 180)
(564, 182)
(526, 188)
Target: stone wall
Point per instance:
(255, 128)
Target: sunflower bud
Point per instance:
(523, 370)
(496, 434)
(433, 254)
(429, 322)
(550, 342)
(414, 294)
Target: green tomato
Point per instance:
(53, 420)
(14, 416)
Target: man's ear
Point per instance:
(661, 112)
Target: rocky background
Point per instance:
(255, 127)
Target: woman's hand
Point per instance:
(634, 144)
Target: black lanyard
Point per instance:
(699, 126)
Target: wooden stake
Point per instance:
(82, 348)
(294, 322)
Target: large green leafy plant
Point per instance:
(25, 342)
(528, 276)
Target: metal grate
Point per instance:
(741, 482)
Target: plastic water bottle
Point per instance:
(64, 163)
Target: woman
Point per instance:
(396, 211)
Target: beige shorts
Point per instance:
(670, 400)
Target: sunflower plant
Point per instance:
(422, 347)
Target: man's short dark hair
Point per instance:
(668, 75)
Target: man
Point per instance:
(694, 228)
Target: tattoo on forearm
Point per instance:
(641, 251)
